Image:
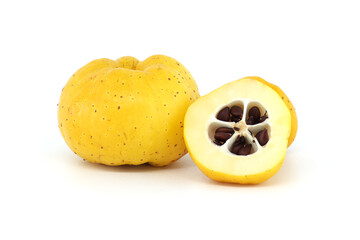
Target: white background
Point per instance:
(309, 48)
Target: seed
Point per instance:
(251, 120)
(255, 113)
(262, 137)
(245, 150)
(263, 118)
(224, 114)
(236, 128)
(222, 136)
(219, 143)
(236, 148)
(235, 119)
(239, 140)
(240, 147)
(236, 111)
(225, 130)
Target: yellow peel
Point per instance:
(126, 111)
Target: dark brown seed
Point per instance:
(245, 150)
(219, 143)
(224, 114)
(235, 119)
(263, 118)
(224, 129)
(255, 113)
(236, 128)
(236, 111)
(236, 148)
(251, 121)
(262, 137)
(222, 136)
(239, 143)
(239, 140)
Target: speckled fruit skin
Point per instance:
(127, 111)
(288, 103)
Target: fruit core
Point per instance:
(241, 127)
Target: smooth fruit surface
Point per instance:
(265, 125)
(127, 111)
(290, 106)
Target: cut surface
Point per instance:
(264, 122)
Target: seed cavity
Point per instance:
(219, 143)
(262, 137)
(222, 134)
(250, 135)
(240, 147)
(245, 150)
(263, 118)
(254, 116)
(224, 114)
(236, 113)
(233, 114)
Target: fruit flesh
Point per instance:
(290, 106)
(218, 163)
(126, 111)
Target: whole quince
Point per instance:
(127, 111)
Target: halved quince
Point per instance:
(238, 133)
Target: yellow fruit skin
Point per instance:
(126, 111)
(288, 103)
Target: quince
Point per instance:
(127, 111)
(240, 132)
